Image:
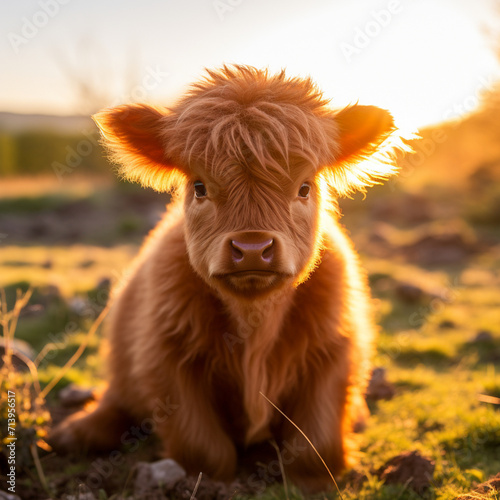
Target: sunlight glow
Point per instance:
(426, 61)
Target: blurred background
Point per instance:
(430, 238)
(433, 64)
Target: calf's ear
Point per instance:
(134, 134)
(362, 130)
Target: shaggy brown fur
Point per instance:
(190, 328)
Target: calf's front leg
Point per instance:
(322, 415)
(194, 435)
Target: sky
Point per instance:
(424, 60)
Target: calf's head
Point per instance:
(255, 158)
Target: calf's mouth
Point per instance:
(252, 282)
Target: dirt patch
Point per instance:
(207, 489)
(490, 486)
(430, 244)
(103, 218)
(409, 468)
(439, 248)
(408, 209)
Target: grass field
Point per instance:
(439, 340)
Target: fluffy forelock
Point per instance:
(243, 115)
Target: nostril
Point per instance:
(252, 253)
(268, 253)
(236, 253)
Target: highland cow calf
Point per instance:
(249, 285)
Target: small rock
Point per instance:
(18, 345)
(150, 475)
(408, 468)
(19, 349)
(78, 305)
(8, 496)
(483, 336)
(379, 387)
(447, 323)
(84, 493)
(75, 396)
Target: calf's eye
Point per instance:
(304, 190)
(200, 191)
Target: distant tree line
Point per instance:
(41, 152)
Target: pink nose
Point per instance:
(252, 251)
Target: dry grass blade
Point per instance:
(282, 468)
(8, 320)
(21, 302)
(308, 440)
(484, 398)
(33, 370)
(38, 466)
(77, 354)
(196, 486)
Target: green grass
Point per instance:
(37, 152)
(73, 270)
(437, 372)
(427, 347)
